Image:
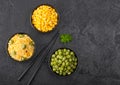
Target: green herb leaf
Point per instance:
(65, 38)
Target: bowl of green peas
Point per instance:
(63, 62)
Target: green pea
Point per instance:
(61, 68)
(74, 67)
(67, 63)
(71, 70)
(57, 56)
(13, 53)
(63, 59)
(56, 66)
(75, 59)
(54, 69)
(70, 59)
(71, 53)
(52, 59)
(59, 50)
(66, 60)
(32, 43)
(57, 72)
(68, 67)
(52, 63)
(75, 63)
(63, 64)
(68, 73)
(68, 56)
(56, 53)
(55, 63)
(60, 73)
(23, 58)
(60, 53)
(21, 35)
(66, 53)
(64, 73)
(59, 61)
(60, 57)
(56, 59)
(23, 46)
(65, 68)
(64, 50)
(53, 56)
(11, 41)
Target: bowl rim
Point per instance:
(49, 60)
(9, 40)
(58, 18)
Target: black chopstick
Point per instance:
(42, 59)
(31, 64)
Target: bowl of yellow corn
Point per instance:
(20, 47)
(44, 18)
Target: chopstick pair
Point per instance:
(47, 49)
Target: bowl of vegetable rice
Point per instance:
(20, 47)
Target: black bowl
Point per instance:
(9, 40)
(55, 72)
(32, 14)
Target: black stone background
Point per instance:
(95, 26)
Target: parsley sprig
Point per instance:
(65, 38)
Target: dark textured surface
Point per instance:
(95, 26)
